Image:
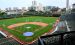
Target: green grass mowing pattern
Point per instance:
(25, 29)
(28, 19)
(48, 20)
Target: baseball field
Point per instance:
(20, 26)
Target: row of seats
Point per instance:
(8, 41)
(68, 39)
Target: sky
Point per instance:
(26, 3)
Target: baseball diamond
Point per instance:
(37, 26)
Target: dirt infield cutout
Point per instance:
(20, 24)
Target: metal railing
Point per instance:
(61, 38)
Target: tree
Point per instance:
(55, 9)
(2, 13)
(64, 9)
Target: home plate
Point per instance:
(28, 27)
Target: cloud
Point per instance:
(26, 3)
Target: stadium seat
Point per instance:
(8, 41)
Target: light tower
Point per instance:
(67, 5)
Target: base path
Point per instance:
(20, 24)
(35, 23)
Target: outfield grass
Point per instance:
(41, 30)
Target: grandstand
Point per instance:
(64, 38)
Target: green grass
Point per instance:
(40, 30)
(25, 29)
